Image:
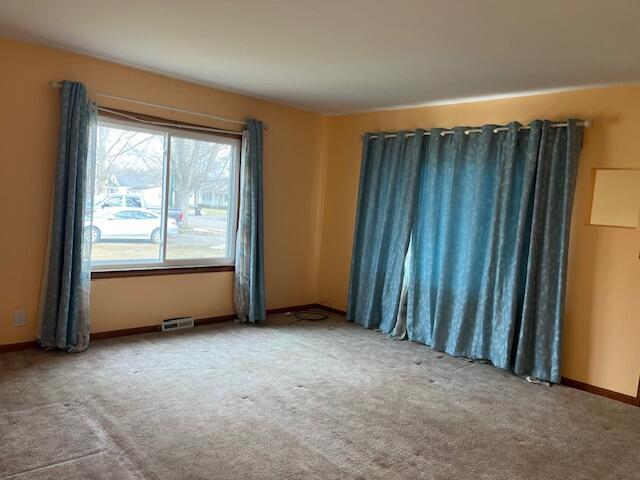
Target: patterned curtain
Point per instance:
(249, 261)
(486, 275)
(64, 316)
(386, 205)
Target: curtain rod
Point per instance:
(169, 124)
(584, 123)
(56, 84)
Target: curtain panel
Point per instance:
(249, 296)
(64, 316)
(489, 233)
(386, 204)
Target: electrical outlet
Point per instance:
(19, 318)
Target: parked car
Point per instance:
(129, 224)
(135, 201)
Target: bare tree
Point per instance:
(194, 165)
(111, 149)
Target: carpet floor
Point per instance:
(297, 400)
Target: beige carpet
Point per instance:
(323, 400)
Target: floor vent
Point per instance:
(177, 323)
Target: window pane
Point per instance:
(127, 222)
(200, 176)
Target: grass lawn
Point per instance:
(151, 251)
(214, 211)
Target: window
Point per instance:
(159, 197)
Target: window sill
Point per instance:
(146, 272)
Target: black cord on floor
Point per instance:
(311, 314)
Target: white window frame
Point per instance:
(232, 223)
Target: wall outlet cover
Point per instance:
(19, 318)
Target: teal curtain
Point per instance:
(386, 206)
(249, 296)
(486, 275)
(64, 317)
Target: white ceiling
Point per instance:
(337, 56)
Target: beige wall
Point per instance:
(28, 132)
(311, 182)
(602, 324)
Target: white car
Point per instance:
(129, 224)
